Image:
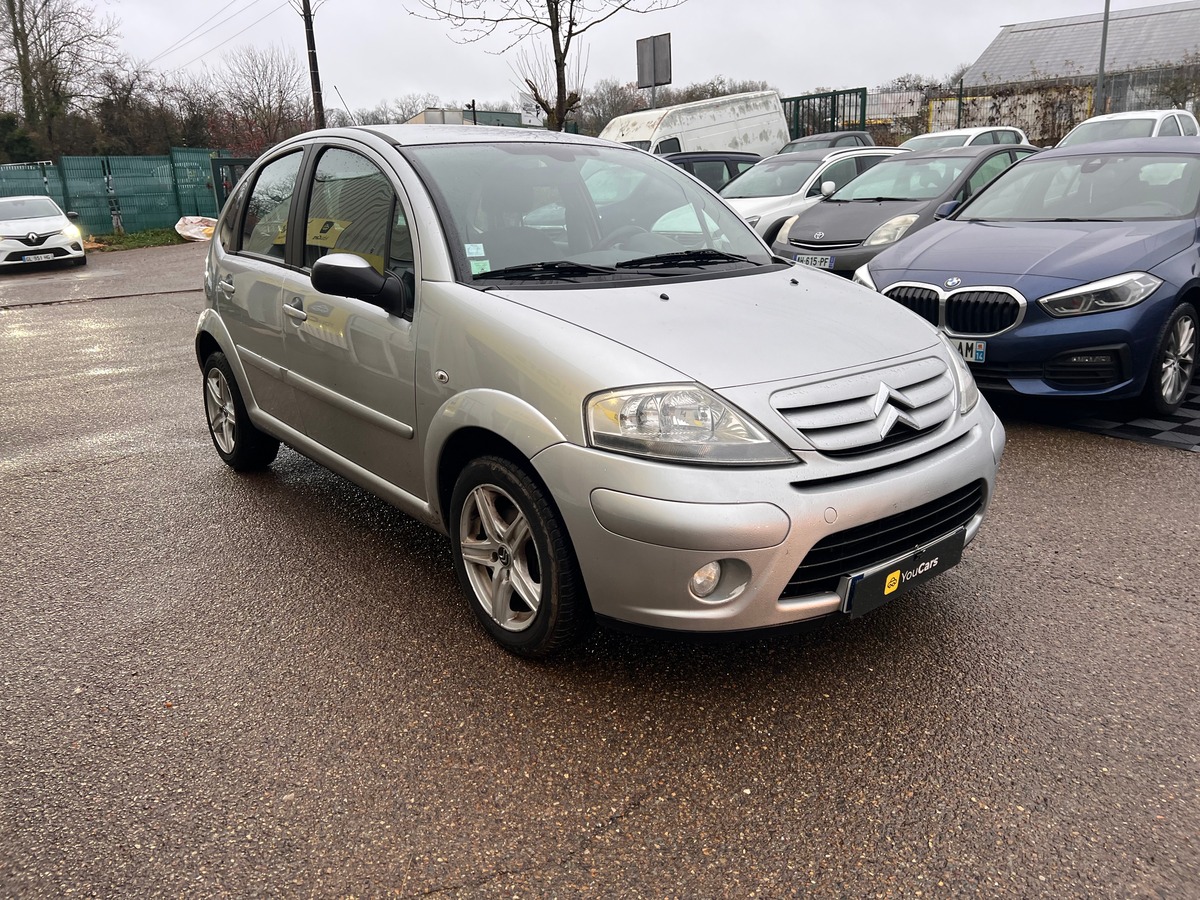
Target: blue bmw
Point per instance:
(1075, 273)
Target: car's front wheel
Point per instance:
(1173, 363)
(515, 560)
(238, 442)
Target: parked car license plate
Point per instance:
(817, 262)
(972, 351)
(869, 590)
(37, 257)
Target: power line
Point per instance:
(223, 22)
(235, 34)
(181, 42)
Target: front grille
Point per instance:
(822, 247)
(19, 255)
(866, 546)
(923, 301)
(973, 312)
(870, 411)
(981, 312)
(38, 239)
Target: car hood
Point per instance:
(39, 225)
(1074, 251)
(850, 220)
(748, 329)
(761, 206)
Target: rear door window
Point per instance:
(1188, 124)
(1169, 127)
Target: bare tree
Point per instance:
(263, 99)
(53, 49)
(563, 21)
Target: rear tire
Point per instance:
(514, 559)
(242, 446)
(1174, 362)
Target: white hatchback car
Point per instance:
(1143, 123)
(771, 191)
(33, 229)
(966, 137)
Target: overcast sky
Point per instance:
(374, 50)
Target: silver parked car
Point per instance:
(573, 359)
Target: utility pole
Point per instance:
(313, 73)
(1099, 106)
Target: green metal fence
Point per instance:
(829, 111)
(129, 193)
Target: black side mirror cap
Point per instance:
(945, 209)
(349, 275)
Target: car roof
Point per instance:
(414, 135)
(1136, 114)
(1172, 144)
(711, 154)
(823, 153)
(968, 131)
(827, 134)
(966, 150)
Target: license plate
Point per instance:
(870, 590)
(972, 351)
(37, 257)
(817, 262)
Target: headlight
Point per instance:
(968, 391)
(679, 422)
(889, 231)
(1117, 292)
(753, 221)
(863, 276)
(782, 234)
(72, 232)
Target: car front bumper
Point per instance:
(639, 535)
(18, 252)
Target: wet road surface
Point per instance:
(216, 685)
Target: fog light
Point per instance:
(705, 579)
(1091, 359)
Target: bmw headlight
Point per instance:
(968, 391)
(863, 276)
(72, 232)
(1117, 292)
(891, 230)
(679, 422)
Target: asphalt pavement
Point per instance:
(216, 685)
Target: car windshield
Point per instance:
(571, 212)
(935, 141)
(27, 208)
(1089, 188)
(903, 178)
(1110, 130)
(771, 178)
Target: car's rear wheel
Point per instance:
(238, 442)
(1174, 362)
(514, 559)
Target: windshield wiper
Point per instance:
(560, 269)
(682, 258)
(877, 199)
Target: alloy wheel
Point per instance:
(500, 557)
(1179, 359)
(218, 403)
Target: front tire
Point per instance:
(515, 561)
(1173, 363)
(242, 446)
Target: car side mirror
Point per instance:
(945, 209)
(349, 275)
(827, 188)
(73, 216)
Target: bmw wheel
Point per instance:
(514, 559)
(238, 442)
(1173, 363)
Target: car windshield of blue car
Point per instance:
(772, 178)
(1099, 187)
(901, 178)
(27, 208)
(544, 212)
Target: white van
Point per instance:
(752, 122)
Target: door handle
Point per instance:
(226, 286)
(294, 309)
